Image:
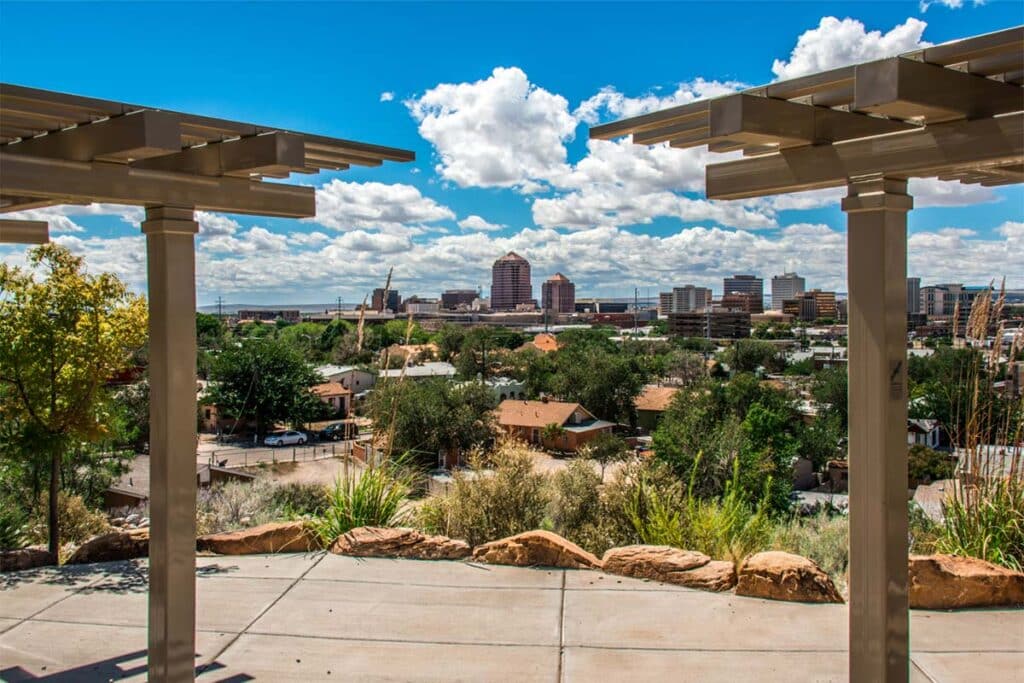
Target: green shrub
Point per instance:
(924, 531)
(627, 497)
(578, 510)
(500, 496)
(824, 538)
(925, 465)
(726, 528)
(235, 505)
(987, 523)
(78, 523)
(301, 499)
(730, 528)
(13, 528)
(376, 496)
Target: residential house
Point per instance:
(351, 377)
(527, 420)
(336, 396)
(924, 433)
(652, 402)
(432, 369)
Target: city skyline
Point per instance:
(499, 123)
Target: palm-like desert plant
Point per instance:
(375, 496)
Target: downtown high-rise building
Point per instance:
(913, 295)
(684, 300)
(510, 282)
(558, 294)
(392, 303)
(786, 286)
(744, 284)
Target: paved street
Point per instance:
(325, 617)
(233, 456)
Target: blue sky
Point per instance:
(495, 100)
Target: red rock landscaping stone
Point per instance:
(276, 537)
(536, 549)
(782, 576)
(368, 541)
(112, 547)
(950, 582)
(25, 558)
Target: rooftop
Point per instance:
(537, 413)
(328, 617)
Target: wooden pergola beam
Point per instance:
(23, 232)
(263, 154)
(905, 88)
(961, 144)
(123, 138)
(73, 182)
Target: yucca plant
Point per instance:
(13, 529)
(375, 496)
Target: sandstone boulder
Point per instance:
(276, 537)
(536, 549)
(369, 541)
(716, 575)
(950, 582)
(657, 562)
(25, 558)
(112, 547)
(782, 576)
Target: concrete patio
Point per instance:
(326, 617)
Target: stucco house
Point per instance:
(652, 402)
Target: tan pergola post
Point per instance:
(876, 236)
(170, 249)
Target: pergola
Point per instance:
(953, 111)
(66, 149)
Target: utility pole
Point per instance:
(220, 307)
(338, 309)
(636, 306)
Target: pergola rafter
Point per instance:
(951, 111)
(67, 149)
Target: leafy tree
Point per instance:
(209, 331)
(607, 449)
(428, 416)
(698, 344)
(747, 355)
(306, 338)
(685, 368)
(449, 340)
(830, 389)
(62, 336)
(267, 381)
(605, 381)
(552, 432)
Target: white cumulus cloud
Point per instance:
(475, 222)
(387, 96)
(351, 206)
(501, 131)
(840, 42)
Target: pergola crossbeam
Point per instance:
(85, 182)
(904, 88)
(962, 145)
(24, 232)
(124, 138)
(262, 154)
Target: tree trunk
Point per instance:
(54, 546)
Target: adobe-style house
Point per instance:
(652, 402)
(336, 396)
(353, 378)
(528, 420)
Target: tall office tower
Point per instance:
(786, 286)
(559, 294)
(664, 303)
(510, 282)
(378, 304)
(745, 284)
(913, 295)
(690, 298)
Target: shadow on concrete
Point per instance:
(129, 576)
(111, 669)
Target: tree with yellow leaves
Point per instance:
(64, 333)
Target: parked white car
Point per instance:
(285, 439)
